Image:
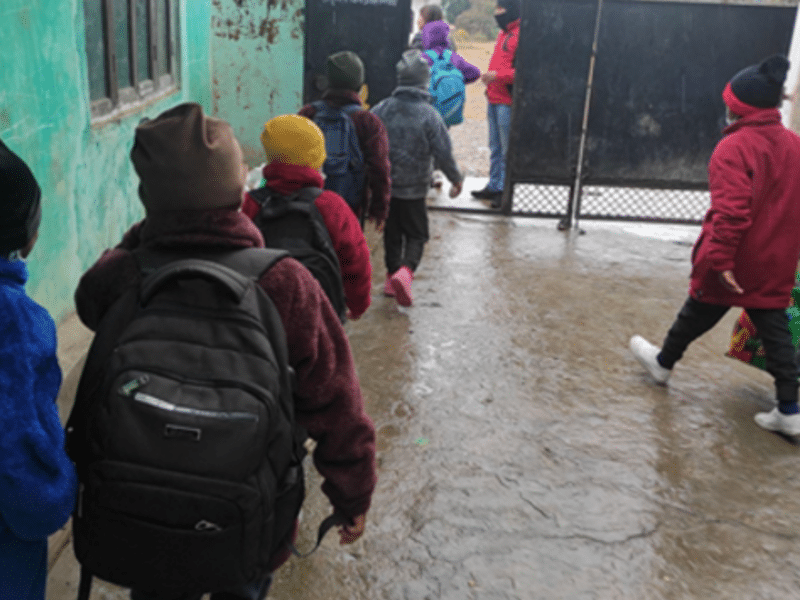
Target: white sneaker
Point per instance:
(646, 354)
(775, 420)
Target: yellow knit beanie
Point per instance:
(294, 140)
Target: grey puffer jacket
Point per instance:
(417, 137)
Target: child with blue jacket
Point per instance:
(37, 479)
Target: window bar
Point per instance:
(169, 51)
(111, 51)
(153, 39)
(133, 39)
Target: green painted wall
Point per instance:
(257, 51)
(87, 181)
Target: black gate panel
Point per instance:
(656, 108)
(549, 89)
(376, 30)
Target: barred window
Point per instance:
(131, 47)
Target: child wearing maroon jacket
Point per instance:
(345, 73)
(295, 151)
(747, 251)
(192, 184)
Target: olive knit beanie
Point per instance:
(188, 161)
(345, 71)
(294, 140)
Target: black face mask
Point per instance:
(503, 20)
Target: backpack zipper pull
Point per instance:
(206, 526)
(126, 389)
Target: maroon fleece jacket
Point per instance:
(751, 226)
(328, 400)
(375, 147)
(345, 232)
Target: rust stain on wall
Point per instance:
(269, 28)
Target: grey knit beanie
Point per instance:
(413, 70)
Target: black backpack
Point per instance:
(183, 430)
(293, 223)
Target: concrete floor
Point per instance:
(524, 454)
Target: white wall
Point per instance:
(791, 110)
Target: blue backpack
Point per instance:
(344, 166)
(447, 87)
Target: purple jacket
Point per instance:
(435, 37)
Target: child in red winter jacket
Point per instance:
(295, 151)
(746, 254)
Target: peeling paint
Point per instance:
(5, 119)
(257, 51)
(269, 27)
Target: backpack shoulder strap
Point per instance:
(309, 194)
(447, 55)
(351, 109)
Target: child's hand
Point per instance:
(350, 533)
(489, 77)
(729, 282)
(455, 189)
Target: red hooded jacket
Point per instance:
(328, 400)
(752, 225)
(502, 63)
(346, 234)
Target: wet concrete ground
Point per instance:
(523, 452)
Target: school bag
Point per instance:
(294, 223)
(344, 168)
(183, 431)
(447, 87)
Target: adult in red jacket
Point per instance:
(345, 72)
(295, 150)
(197, 208)
(747, 251)
(498, 79)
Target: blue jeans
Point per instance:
(499, 117)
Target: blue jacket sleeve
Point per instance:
(37, 479)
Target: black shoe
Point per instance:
(485, 194)
(497, 202)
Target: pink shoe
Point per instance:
(388, 290)
(401, 284)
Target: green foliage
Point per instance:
(453, 8)
(478, 20)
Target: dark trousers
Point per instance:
(255, 591)
(695, 318)
(405, 234)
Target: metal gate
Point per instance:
(376, 30)
(617, 103)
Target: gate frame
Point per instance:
(579, 170)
